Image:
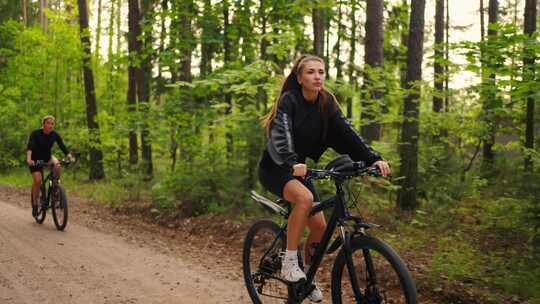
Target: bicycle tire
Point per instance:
(259, 280)
(41, 213)
(394, 283)
(59, 208)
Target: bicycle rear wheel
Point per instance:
(59, 207)
(382, 276)
(262, 264)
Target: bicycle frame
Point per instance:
(48, 179)
(339, 216)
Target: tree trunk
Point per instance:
(439, 51)
(133, 47)
(227, 60)
(246, 32)
(110, 62)
(318, 17)
(145, 53)
(96, 156)
(187, 37)
(352, 55)
(160, 80)
(403, 55)
(24, 12)
(339, 63)
(529, 76)
(119, 27)
(513, 69)
(371, 128)
(42, 17)
(447, 57)
(408, 148)
(98, 31)
(490, 96)
(207, 48)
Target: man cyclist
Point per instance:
(39, 147)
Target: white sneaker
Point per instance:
(316, 294)
(290, 271)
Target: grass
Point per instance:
(112, 192)
(19, 177)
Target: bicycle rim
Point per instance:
(262, 263)
(382, 276)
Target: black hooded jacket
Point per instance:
(299, 131)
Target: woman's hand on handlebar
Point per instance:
(299, 170)
(384, 167)
(30, 162)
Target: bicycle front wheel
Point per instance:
(382, 277)
(262, 263)
(59, 207)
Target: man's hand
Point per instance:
(383, 166)
(300, 170)
(30, 162)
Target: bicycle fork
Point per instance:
(346, 237)
(370, 269)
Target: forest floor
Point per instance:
(131, 255)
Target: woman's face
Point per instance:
(312, 76)
(48, 126)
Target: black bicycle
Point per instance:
(366, 270)
(53, 196)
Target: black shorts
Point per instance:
(273, 178)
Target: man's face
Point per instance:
(48, 126)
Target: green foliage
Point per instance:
(456, 261)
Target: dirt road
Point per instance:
(82, 265)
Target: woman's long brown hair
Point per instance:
(291, 83)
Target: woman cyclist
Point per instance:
(304, 122)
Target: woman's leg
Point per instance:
(296, 193)
(317, 225)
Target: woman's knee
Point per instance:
(305, 201)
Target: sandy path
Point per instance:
(41, 265)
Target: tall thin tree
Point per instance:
(529, 75)
(42, 16)
(24, 12)
(96, 156)
(98, 30)
(340, 36)
(447, 57)
(134, 46)
(318, 17)
(352, 56)
(490, 92)
(144, 74)
(371, 128)
(408, 148)
(438, 68)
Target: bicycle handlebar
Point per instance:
(42, 163)
(360, 169)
